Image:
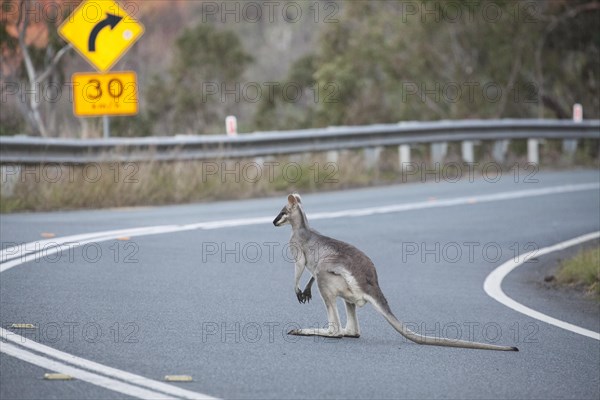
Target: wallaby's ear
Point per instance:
(291, 199)
(297, 196)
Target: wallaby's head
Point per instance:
(289, 211)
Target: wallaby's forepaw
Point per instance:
(303, 297)
(307, 295)
(300, 296)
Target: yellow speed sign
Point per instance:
(96, 94)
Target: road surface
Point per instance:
(206, 290)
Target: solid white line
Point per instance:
(493, 283)
(98, 380)
(99, 368)
(80, 240)
(20, 254)
(456, 201)
(21, 250)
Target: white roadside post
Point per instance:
(570, 145)
(231, 125)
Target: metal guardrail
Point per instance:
(34, 150)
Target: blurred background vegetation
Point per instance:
(300, 64)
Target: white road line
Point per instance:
(79, 240)
(493, 283)
(96, 367)
(519, 194)
(21, 250)
(19, 254)
(94, 379)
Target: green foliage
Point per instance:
(380, 62)
(36, 117)
(495, 59)
(130, 126)
(277, 110)
(583, 269)
(207, 61)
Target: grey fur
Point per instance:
(342, 270)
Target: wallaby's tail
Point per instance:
(381, 305)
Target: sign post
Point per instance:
(102, 32)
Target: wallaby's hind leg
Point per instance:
(351, 329)
(334, 328)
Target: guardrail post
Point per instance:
(499, 150)
(300, 158)
(333, 156)
(259, 161)
(533, 156)
(569, 146)
(438, 151)
(10, 175)
(403, 156)
(468, 154)
(372, 156)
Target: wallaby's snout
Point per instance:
(281, 218)
(277, 218)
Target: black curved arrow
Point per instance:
(110, 20)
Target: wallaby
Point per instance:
(342, 270)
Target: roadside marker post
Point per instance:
(570, 145)
(231, 125)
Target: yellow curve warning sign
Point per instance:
(101, 31)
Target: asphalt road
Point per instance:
(215, 301)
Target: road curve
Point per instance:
(121, 298)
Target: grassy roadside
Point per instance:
(52, 186)
(582, 271)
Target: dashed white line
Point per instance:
(493, 285)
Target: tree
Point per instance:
(393, 61)
(279, 109)
(208, 64)
(31, 64)
(567, 58)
